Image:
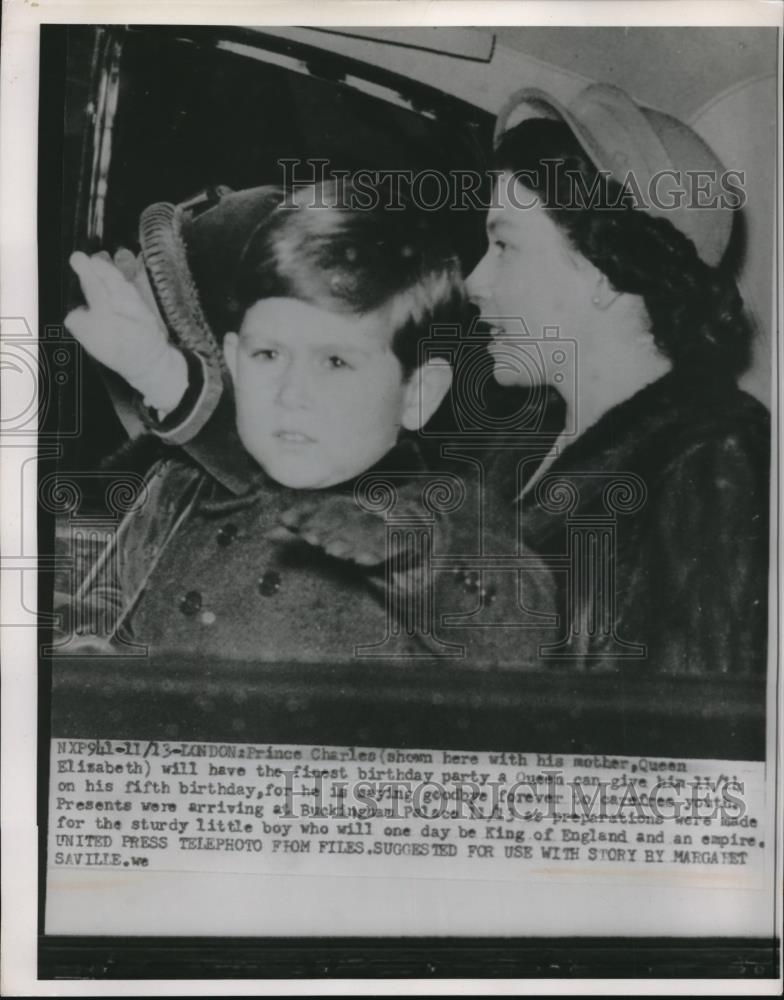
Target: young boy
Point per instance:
(320, 534)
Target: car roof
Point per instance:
(675, 69)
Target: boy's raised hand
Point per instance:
(123, 331)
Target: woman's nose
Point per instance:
(477, 282)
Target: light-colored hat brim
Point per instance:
(624, 139)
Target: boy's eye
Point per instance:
(334, 362)
(265, 354)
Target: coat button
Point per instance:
(226, 535)
(190, 604)
(269, 584)
(469, 578)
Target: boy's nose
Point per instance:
(292, 388)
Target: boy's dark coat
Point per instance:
(196, 571)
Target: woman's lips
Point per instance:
(490, 329)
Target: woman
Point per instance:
(652, 509)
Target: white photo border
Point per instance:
(18, 295)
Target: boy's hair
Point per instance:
(320, 247)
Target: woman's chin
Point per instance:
(506, 374)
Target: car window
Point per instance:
(191, 112)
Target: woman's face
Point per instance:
(533, 290)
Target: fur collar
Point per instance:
(641, 436)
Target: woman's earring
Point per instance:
(604, 301)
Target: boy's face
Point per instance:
(320, 396)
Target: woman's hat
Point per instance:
(650, 152)
(191, 253)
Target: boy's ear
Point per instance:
(230, 344)
(425, 390)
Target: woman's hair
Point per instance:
(696, 312)
(323, 247)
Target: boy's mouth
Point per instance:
(294, 437)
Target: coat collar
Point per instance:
(634, 438)
(406, 456)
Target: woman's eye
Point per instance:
(499, 245)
